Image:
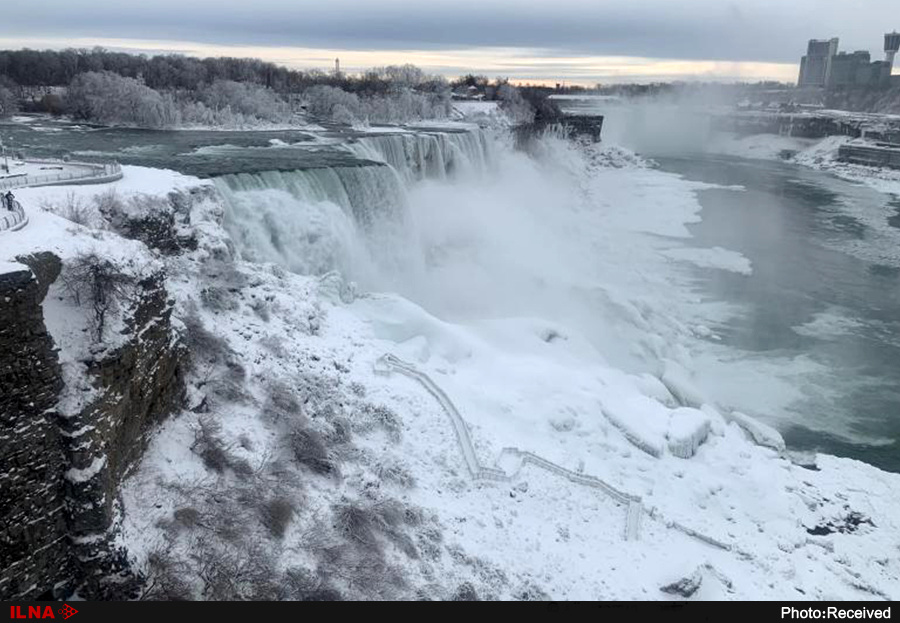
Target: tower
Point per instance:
(337, 66)
(891, 45)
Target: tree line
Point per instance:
(106, 87)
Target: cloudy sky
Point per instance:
(580, 41)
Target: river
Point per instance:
(821, 309)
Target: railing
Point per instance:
(634, 508)
(12, 219)
(98, 172)
(634, 505)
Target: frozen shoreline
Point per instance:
(818, 154)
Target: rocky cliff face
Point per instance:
(59, 476)
(139, 384)
(33, 549)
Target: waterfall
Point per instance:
(352, 218)
(434, 155)
(316, 220)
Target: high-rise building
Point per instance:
(824, 66)
(815, 67)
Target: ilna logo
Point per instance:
(38, 612)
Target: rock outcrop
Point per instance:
(59, 476)
(33, 534)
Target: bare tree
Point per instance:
(98, 283)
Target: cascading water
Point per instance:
(353, 218)
(429, 155)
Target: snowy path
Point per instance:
(515, 459)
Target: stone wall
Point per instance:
(34, 552)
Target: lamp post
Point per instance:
(5, 156)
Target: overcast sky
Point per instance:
(575, 40)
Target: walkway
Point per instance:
(517, 459)
(32, 173)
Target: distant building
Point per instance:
(815, 67)
(824, 66)
(891, 46)
(467, 93)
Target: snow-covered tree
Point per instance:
(8, 104)
(106, 97)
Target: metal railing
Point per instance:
(91, 171)
(11, 219)
(635, 508)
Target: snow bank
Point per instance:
(12, 267)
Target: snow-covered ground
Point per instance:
(388, 507)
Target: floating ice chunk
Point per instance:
(763, 434)
(652, 387)
(716, 257)
(678, 381)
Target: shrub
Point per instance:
(372, 416)
(309, 450)
(76, 209)
(166, 578)
(394, 472)
(465, 592)
(282, 400)
(303, 585)
(218, 299)
(109, 203)
(203, 344)
(211, 449)
(356, 524)
(276, 515)
(188, 517)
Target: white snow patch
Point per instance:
(83, 475)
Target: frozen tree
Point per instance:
(401, 105)
(322, 101)
(514, 104)
(8, 104)
(247, 99)
(109, 98)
